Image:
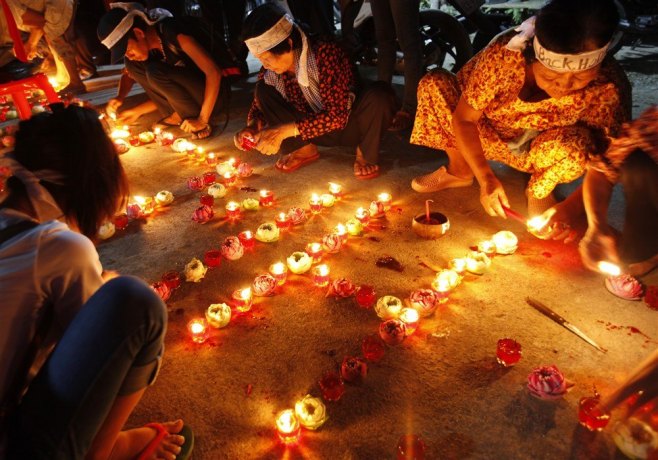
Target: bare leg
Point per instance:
(458, 166)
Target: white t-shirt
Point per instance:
(48, 266)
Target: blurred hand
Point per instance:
(640, 387)
(112, 107)
(269, 140)
(597, 246)
(107, 275)
(493, 197)
(128, 116)
(239, 137)
(192, 125)
(556, 225)
(31, 52)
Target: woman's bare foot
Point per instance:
(172, 120)
(644, 267)
(300, 157)
(363, 169)
(131, 443)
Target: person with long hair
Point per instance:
(536, 99)
(76, 352)
(306, 96)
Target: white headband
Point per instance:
(45, 206)
(568, 62)
(133, 9)
(277, 34)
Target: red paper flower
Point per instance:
(424, 301)
(392, 331)
(353, 369)
(232, 248)
(651, 297)
(625, 286)
(296, 215)
(245, 170)
(332, 243)
(264, 285)
(195, 183)
(547, 382)
(341, 287)
(162, 289)
(203, 214)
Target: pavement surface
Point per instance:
(442, 383)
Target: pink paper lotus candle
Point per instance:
(207, 200)
(134, 211)
(242, 299)
(341, 287)
(247, 239)
(211, 159)
(280, 272)
(366, 296)
(332, 243)
(314, 250)
(209, 178)
(393, 331)
(424, 301)
(508, 352)
(332, 386)
(373, 348)
(264, 285)
(341, 231)
(625, 286)
(336, 190)
(385, 199)
(229, 178)
(363, 216)
(244, 170)
(233, 210)
(198, 330)
(232, 248)
(296, 215)
(353, 369)
(203, 214)
(195, 183)
(161, 288)
(121, 221)
(266, 198)
(171, 279)
(591, 415)
(410, 318)
(288, 427)
(212, 258)
(315, 203)
(282, 221)
(321, 275)
(547, 382)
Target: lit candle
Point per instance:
(198, 329)
(166, 139)
(200, 154)
(458, 265)
(537, 226)
(341, 231)
(448, 278)
(211, 159)
(209, 178)
(232, 210)
(410, 318)
(282, 221)
(121, 145)
(288, 427)
(280, 272)
(314, 250)
(608, 268)
(134, 140)
(212, 258)
(134, 211)
(266, 198)
(363, 216)
(315, 203)
(120, 133)
(147, 204)
(321, 275)
(242, 299)
(229, 178)
(247, 239)
(336, 190)
(218, 315)
(171, 279)
(385, 199)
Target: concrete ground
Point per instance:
(442, 383)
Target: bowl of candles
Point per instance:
(430, 225)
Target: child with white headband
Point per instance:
(305, 96)
(532, 99)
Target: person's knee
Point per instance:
(379, 97)
(134, 302)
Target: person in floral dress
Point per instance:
(536, 98)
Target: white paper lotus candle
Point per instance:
(506, 242)
(195, 271)
(280, 272)
(120, 133)
(336, 190)
(321, 275)
(225, 167)
(487, 246)
(288, 427)
(299, 262)
(363, 216)
(164, 198)
(315, 203)
(106, 230)
(388, 307)
(410, 318)
(385, 199)
(198, 330)
(267, 232)
(354, 227)
(121, 145)
(445, 281)
(458, 265)
(242, 299)
(477, 262)
(311, 412)
(328, 200)
(217, 190)
(218, 315)
(608, 268)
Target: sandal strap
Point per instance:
(160, 433)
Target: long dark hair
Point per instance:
(261, 19)
(73, 142)
(566, 26)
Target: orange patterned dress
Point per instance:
(560, 130)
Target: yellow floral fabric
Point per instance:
(564, 128)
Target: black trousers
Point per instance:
(371, 115)
(639, 177)
(171, 88)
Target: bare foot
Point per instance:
(644, 267)
(298, 158)
(174, 119)
(131, 443)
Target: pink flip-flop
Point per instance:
(297, 162)
(161, 433)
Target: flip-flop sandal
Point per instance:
(162, 123)
(161, 433)
(297, 162)
(370, 175)
(204, 132)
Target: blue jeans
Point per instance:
(112, 347)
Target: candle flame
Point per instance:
(278, 268)
(608, 268)
(287, 422)
(323, 270)
(316, 247)
(139, 199)
(199, 149)
(264, 193)
(247, 234)
(384, 197)
(157, 130)
(409, 315)
(282, 216)
(340, 229)
(245, 294)
(197, 326)
(315, 197)
(228, 175)
(334, 188)
(232, 206)
(536, 223)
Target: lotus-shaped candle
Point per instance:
(445, 281)
(106, 230)
(264, 285)
(296, 216)
(162, 290)
(232, 248)
(377, 209)
(506, 242)
(299, 262)
(353, 369)
(341, 287)
(392, 331)
(332, 243)
(203, 214)
(424, 301)
(225, 167)
(477, 262)
(195, 183)
(164, 198)
(195, 271)
(625, 287)
(146, 137)
(635, 438)
(218, 315)
(267, 232)
(244, 170)
(217, 190)
(354, 227)
(328, 200)
(250, 204)
(311, 412)
(388, 307)
(547, 382)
